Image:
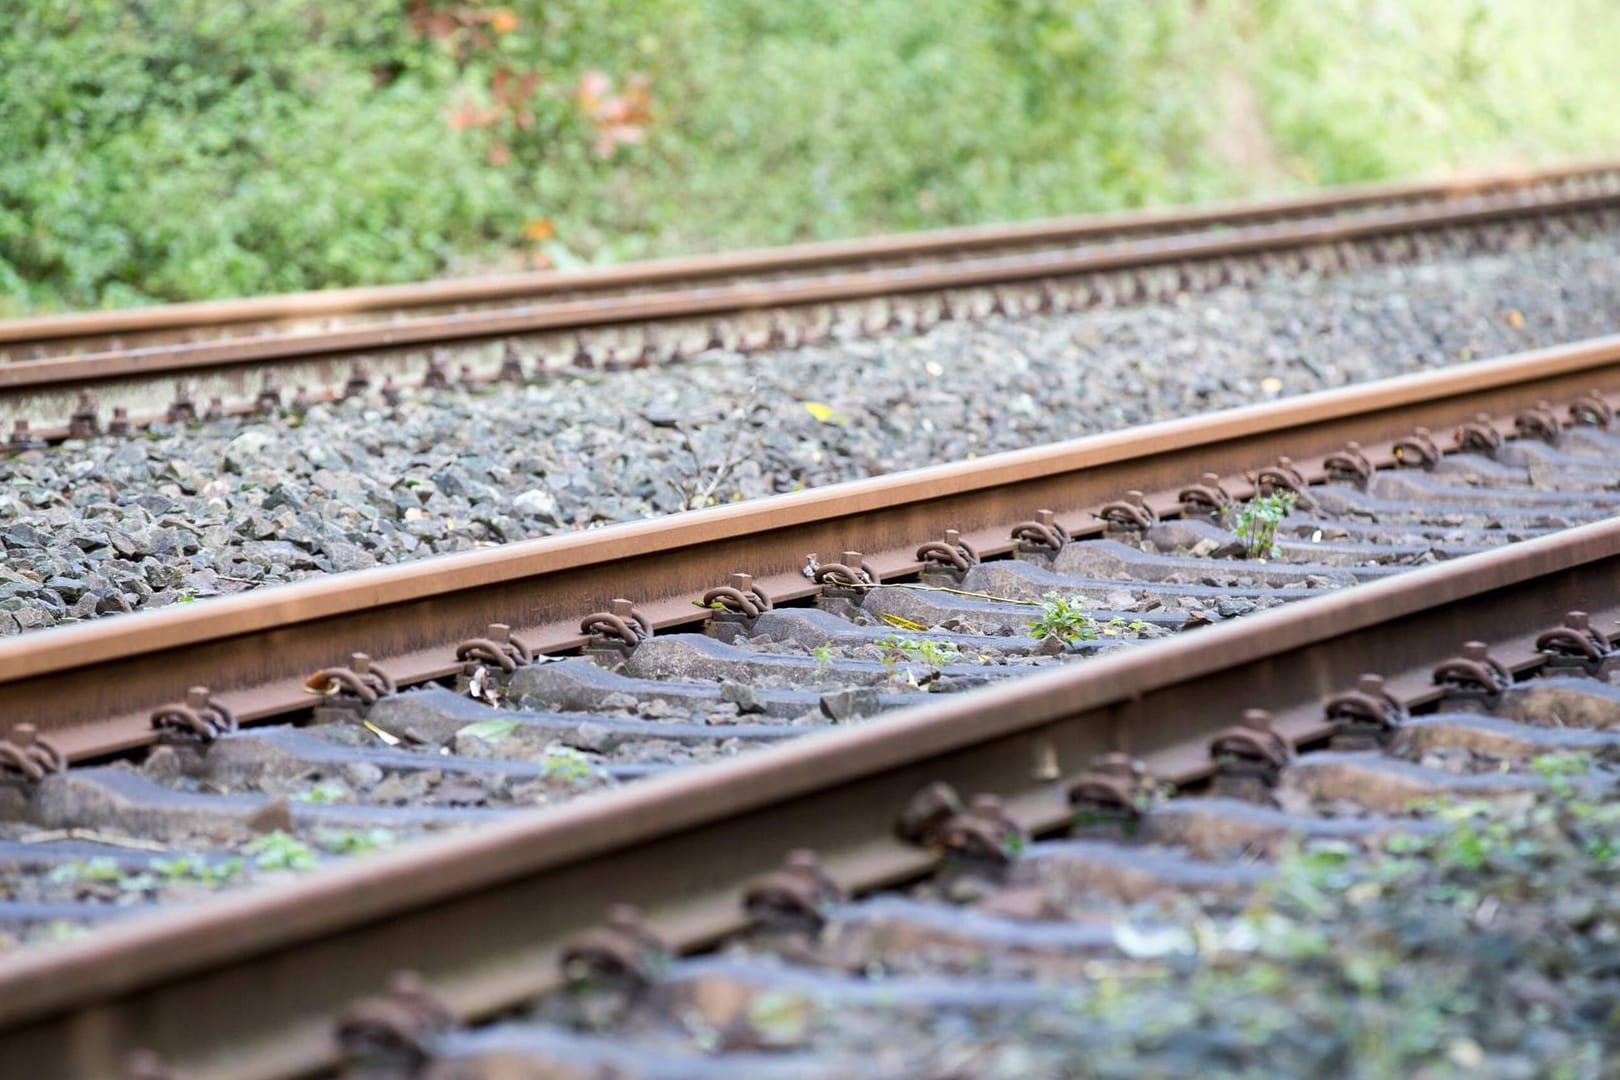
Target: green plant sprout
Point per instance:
(824, 656)
(324, 793)
(281, 851)
(355, 841)
(1064, 618)
(1255, 522)
(192, 869)
(565, 763)
(927, 651)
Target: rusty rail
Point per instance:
(78, 330)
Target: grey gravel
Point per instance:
(104, 526)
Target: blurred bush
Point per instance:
(156, 150)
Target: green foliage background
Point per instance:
(157, 150)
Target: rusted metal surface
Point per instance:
(485, 917)
(92, 688)
(271, 310)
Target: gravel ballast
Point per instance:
(177, 514)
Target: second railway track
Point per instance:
(920, 589)
(73, 375)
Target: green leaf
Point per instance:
(489, 730)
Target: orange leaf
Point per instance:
(539, 229)
(501, 20)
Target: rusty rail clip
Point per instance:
(434, 377)
(1538, 422)
(1250, 757)
(1349, 465)
(268, 400)
(1282, 476)
(511, 364)
(1591, 408)
(734, 606)
(197, 719)
(1130, 514)
(616, 632)
(951, 558)
(390, 1034)
(1417, 450)
(927, 809)
(738, 596)
(1367, 717)
(935, 818)
(846, 579)
(25, 753)
(1575, 646)
(1473, 676)
(497, 648)
(182, 409)
(794, 898)
(1042, 536)
(22, 438)
(1206, 499)
(361, 682)
(1478, 435)
(84, 423)
(622, 952)
(1115, 791)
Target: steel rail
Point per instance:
(60, 374)
(92, 687)
(246, 986)
(178, 318)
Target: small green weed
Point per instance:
(565, 763)
(1256, 521)
(935, 654)
(193, 870)
(355, 841)
(281, 851)
(824, 656)
(1064, 618)
(324, 793)
(96, 869)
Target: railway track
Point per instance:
(117, 371)
(990, 626)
